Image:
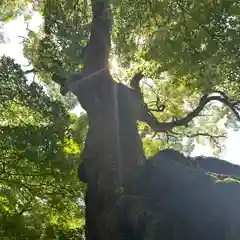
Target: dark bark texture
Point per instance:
(108, 157)
(167, 197)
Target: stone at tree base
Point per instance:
(179, 202)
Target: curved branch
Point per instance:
(163, 127)
(30, 71)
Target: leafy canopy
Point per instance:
(185, 49)
(39, 193)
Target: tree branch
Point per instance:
(150, 119)
(30, 71)
(136, 81)
(96, 52)
(204, 134)
(98, 47)
(163, 127)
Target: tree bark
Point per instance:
(113, 147)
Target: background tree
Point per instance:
(39, 193)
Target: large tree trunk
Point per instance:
(113, 150)
(113, 147)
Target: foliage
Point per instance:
(198, 40)
(183, 53)
(11, 9)
(61, 41)
(185, 48)
(39, 194)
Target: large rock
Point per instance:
(180, 201)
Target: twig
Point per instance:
(200, 134)
(30, 71)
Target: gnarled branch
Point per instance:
(30, 71)
(157, 126)
(163, 127)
